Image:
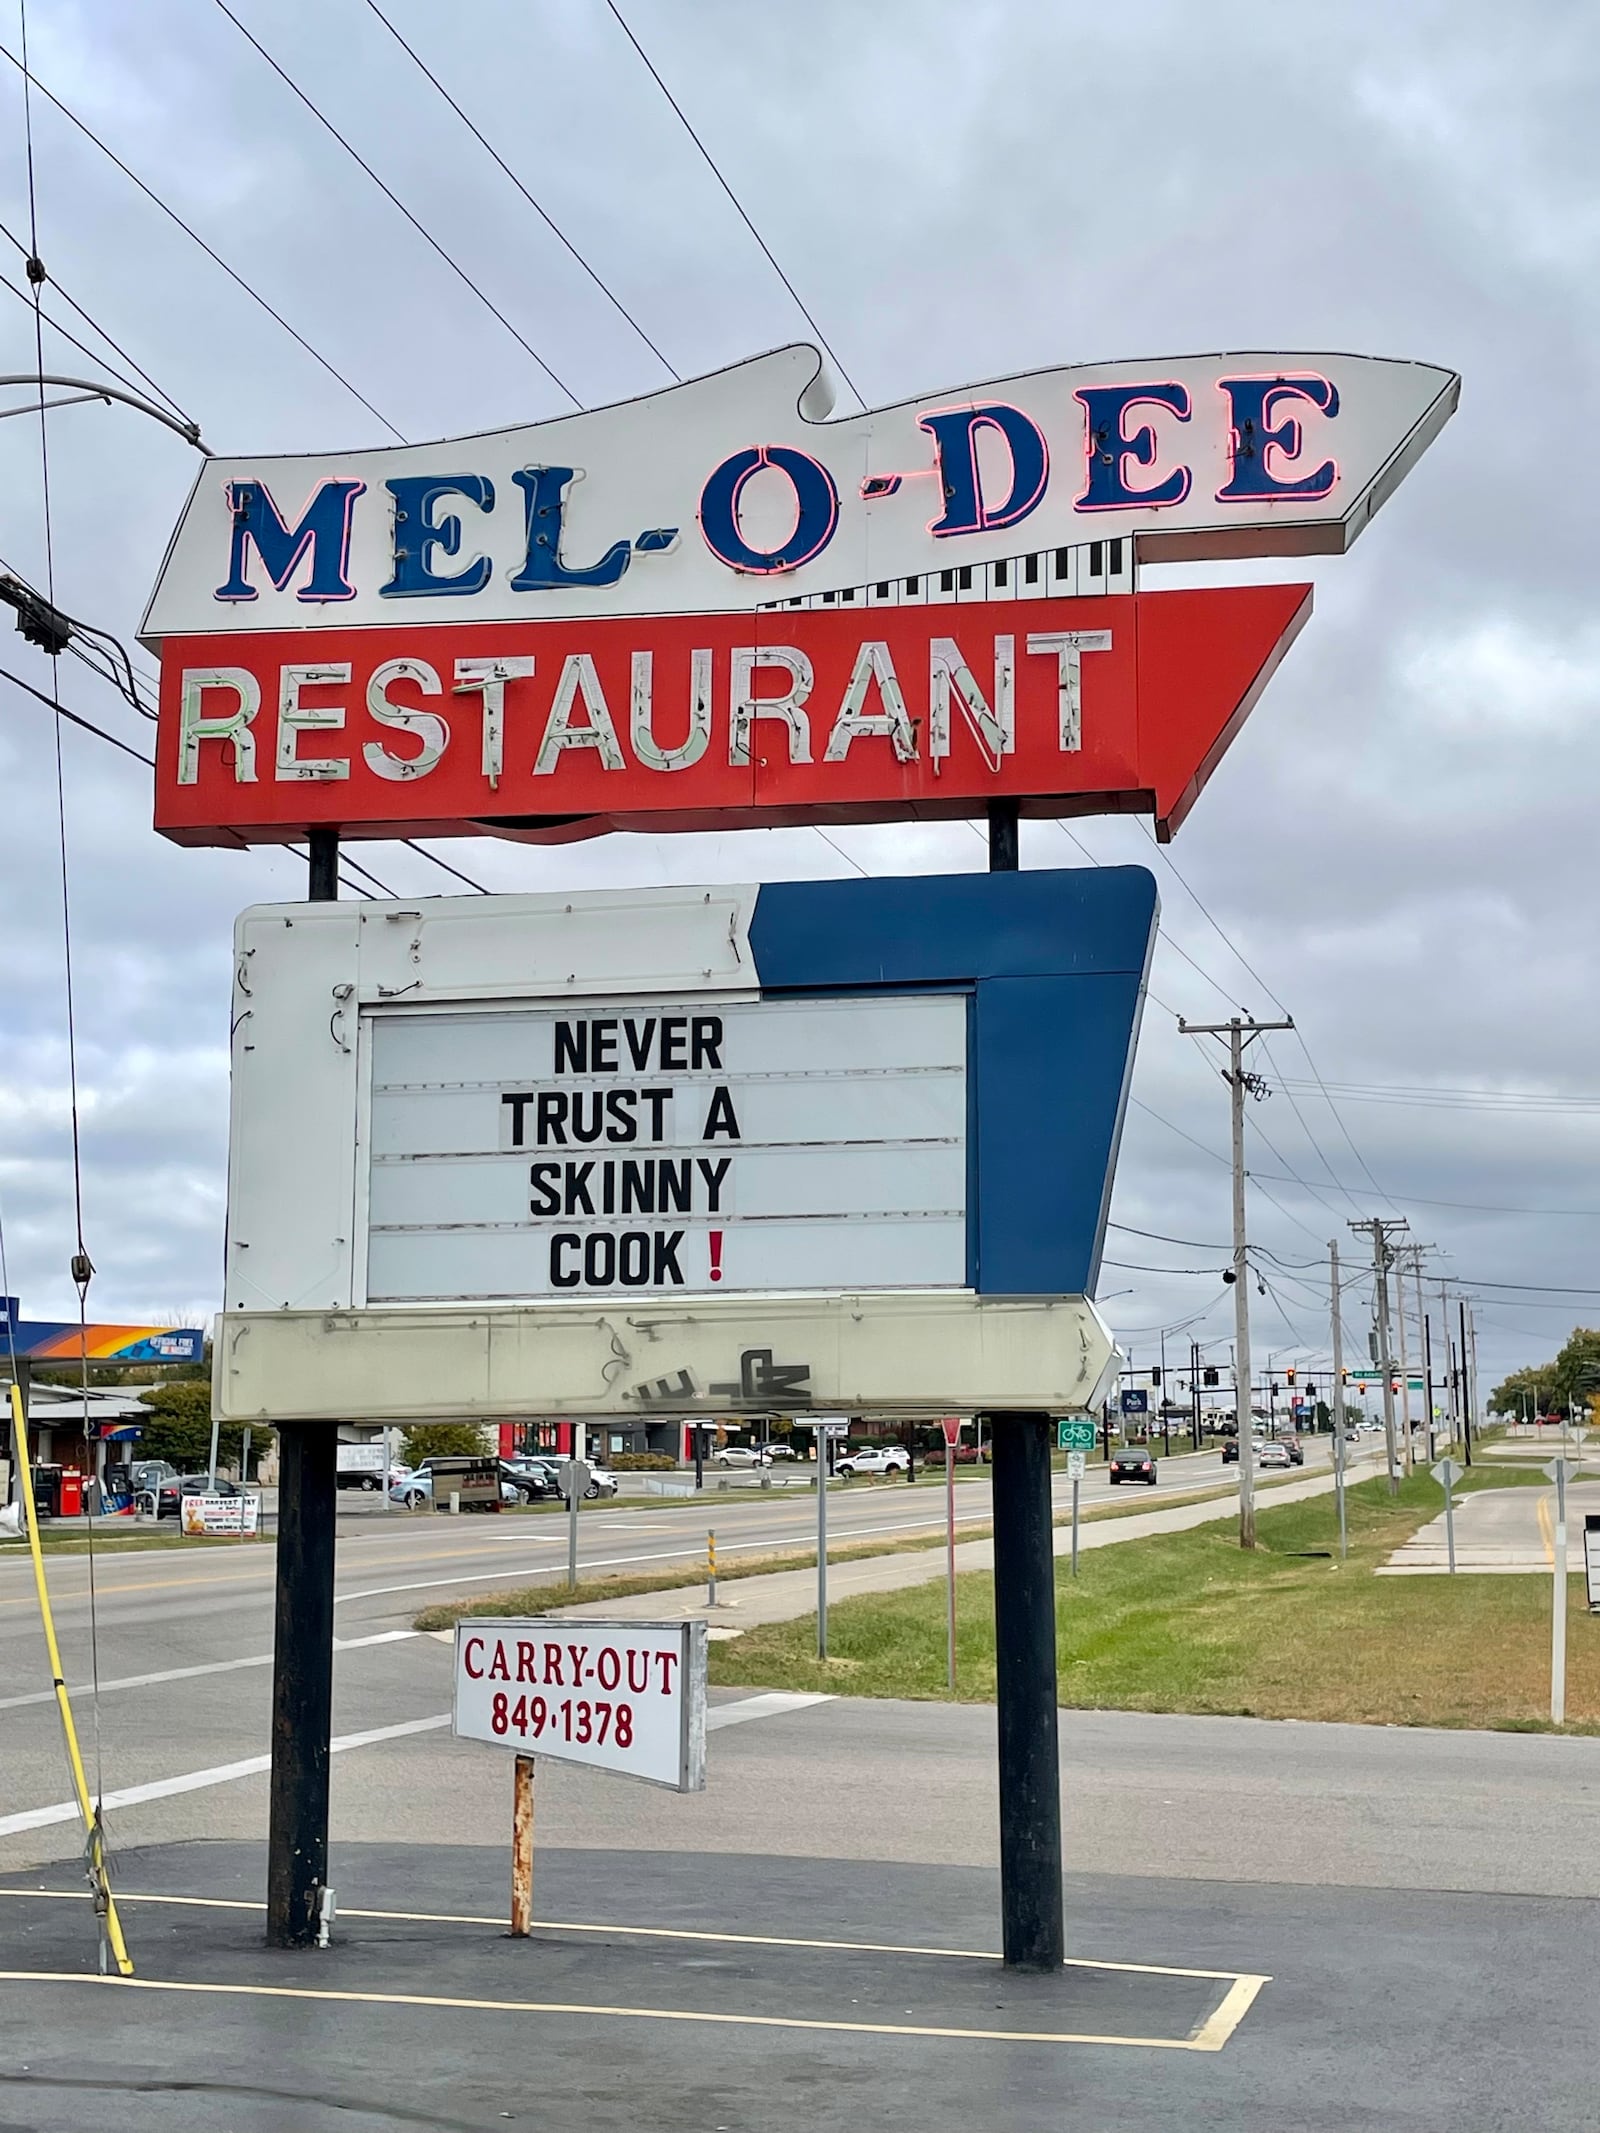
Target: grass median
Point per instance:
(1191, 1622)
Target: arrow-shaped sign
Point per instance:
(554, 730)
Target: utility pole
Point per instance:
(1469, 1381)
(1338, 1393)
(1382, 1259)
(1240, 1033)
(1405, 1356)
(1451, 1386)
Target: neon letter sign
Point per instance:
(1108, 447)
(816, 509)
(1252, 403)
(324, 528)
(955, 435)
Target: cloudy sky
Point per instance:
(1399, 850)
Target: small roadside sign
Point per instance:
(951, 1425)
(1076, 1462)
(629, 1697)
(1591, 1558)
(1447, 1473)
(1075, 1434)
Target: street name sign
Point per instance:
(1075, 1434)
(628, 1697)
(843, 1145)
(715, 606)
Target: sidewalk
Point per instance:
(784, 1595)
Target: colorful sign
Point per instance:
(1075, 1434)
(41, 1340)
(729, 1150)
(714, 606)
(202, 1515)
(628, 1697)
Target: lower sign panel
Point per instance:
(850, 1354)
(628, 1697)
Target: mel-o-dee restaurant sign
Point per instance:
(715, 606)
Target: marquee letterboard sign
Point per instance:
(591, 1152)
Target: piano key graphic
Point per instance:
(1080, 572)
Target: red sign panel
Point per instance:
(835, 714)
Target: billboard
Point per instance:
(692, 1150)
(714, 606)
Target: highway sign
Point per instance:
(1075, 1433)
(629, 1697)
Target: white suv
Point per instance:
(877, 1459)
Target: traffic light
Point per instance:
(1209, 1375)
(1155, 1375)
(1289, 1373)
(1344, 1376)
(1394, 1384)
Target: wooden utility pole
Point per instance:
(1240, 1033)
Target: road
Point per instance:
(1329, 1927)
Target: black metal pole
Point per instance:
(302, 1644)
(1464, 1380)
(1004, 839)
(1032, 1924)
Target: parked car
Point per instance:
(738, 1455)
(416, 1491)
(602, 1482)
(532, 1479)
(781, 1448)
(1133, 1464)
(875, 1459)
(969, 1455)
(171, 1492)
(1273, 1454)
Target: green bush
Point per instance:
(642, 1463)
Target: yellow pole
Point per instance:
(80, 1783)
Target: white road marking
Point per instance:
(201, 1780)
(193, 1673)
(772, 1704)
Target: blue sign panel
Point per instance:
(1053, 966)
(1135, 1400)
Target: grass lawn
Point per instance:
(1190, 1622)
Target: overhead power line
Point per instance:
(74, 718)
(738, 207)
(211, 253)
(95, 326)
(396, 202)
(542, 212)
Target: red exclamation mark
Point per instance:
(716, 1254)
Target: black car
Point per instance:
(533, 1481)
(1134, 1463)
(169, 1500)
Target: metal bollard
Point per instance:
(711, 1570)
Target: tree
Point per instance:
(1547, 1388)
(424, 1440)
(179, 1428)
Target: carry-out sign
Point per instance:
(841, 1144)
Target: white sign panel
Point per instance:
(628, 1697)
(1077, 1465)
(733, 491)
(200, 1515)
(690, 1146)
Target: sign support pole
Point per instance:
(302, 1645)
(1558, 1610)
(950, 1559)
(823, 1447)
(1033, 1932)
(522, 1847)
(1033, 1927)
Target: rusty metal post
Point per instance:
(522, 1848)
